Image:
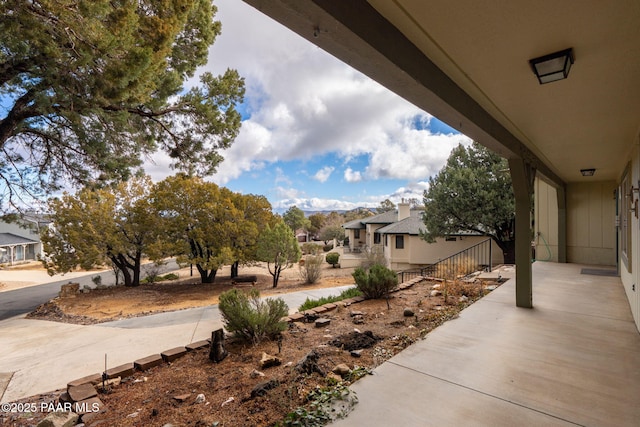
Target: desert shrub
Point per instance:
(333, 258)
(311, 269)
(312, 303)
(244, 314)
(328, 247)
(97, 280)
(376, 282)
(373, 256)
(455, 269)
(170, 276)
(310, 248)
(453, 290)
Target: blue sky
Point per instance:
(316, 133)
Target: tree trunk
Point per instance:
(206, 276)
(508, 250)
(121, 264)
(234, 270)
(217, 352)
(276, 276)
(136, 270)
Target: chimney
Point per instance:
(404, 210)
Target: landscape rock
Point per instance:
(81, 392)
(309, 364)
(69, 290)
(59, 419)
(356, 353)
(310, 317)
(255, 374)
(356, 313)
(463, 298)
(182, 397)
(355, 340)
(358, 319)
(262, 388)
(268, 361)
(200, 398)
(435, 293)
(322, 322)
(408, 312)
(341, 369)
(335, 377)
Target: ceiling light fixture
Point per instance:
(587, 172)
(552, 67)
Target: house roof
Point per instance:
(8, 239)
(389, 217)
(411, 225)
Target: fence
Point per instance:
(475, 258)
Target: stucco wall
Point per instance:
(591, 232)
(630, 271)
(417, 252)
(545, 222)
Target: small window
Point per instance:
(385, 240)
(399, 242)
(376, 238)
(356, 234)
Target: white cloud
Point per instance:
(304, 103)
(287, 193)
(352, 176)
(323, 174)
(316, 204)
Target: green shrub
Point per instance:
(327, 248)
(376, 282)
(312, 303)
(333, 258)
(310, 248)
(325, 405)
(170, 276)
(247, 316)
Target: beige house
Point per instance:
(397, 235)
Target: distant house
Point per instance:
(20, 238)
(397, 234)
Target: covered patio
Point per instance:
(574, 359)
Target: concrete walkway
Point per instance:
(572, 360)
(40, 356)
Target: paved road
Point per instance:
(21, 301)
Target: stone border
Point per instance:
(302, 315)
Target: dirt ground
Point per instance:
(113, 303)
(236, 391)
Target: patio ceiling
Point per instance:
(467, 63)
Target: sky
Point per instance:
(316, 133)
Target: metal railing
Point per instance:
(478, 257)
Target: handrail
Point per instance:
(467, 261)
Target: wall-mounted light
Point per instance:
(587, 172)
(552, 67)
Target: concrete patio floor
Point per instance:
(574, 359)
